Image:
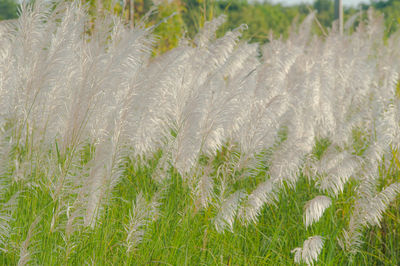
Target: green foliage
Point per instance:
(391, 11)
(8, 9)
(197, 12)
(325, 9)
(262, 19)
(170, 31)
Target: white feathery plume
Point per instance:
(367, 211)
(25, 253)
(104, 176)
(207, 104)
(310, 251)
(224, 100)
(350, 21)
(141, 215)
(7, 207)
(351, 240)
(314, 209)
(260, 123)
(138, 218)
(204, 190)
(378, 204)
(223, 47)
(286, 162)
(6, 216)
(389, 128)
(278, 59)
(303, 35)
(252, 205)
(206, 33)
(335, 168)
(227, 212)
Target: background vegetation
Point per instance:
(262, 18)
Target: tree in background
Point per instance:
(8, 9)
(171, 30)
(175, 18)
(261, 18)
(197, 12)
(325, 11)
(391, 11)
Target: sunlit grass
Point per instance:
(186, 236)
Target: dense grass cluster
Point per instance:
(216, 152)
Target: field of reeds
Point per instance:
(217, 152)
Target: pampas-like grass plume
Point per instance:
(310, 251)
(314, 209)
(227, 212)
(263, 194)
(141, 215)
(25, 254)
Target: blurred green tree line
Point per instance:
(186, 17)
(8, 9)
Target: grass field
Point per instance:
(182, 235)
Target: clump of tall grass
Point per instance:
(238, 122)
